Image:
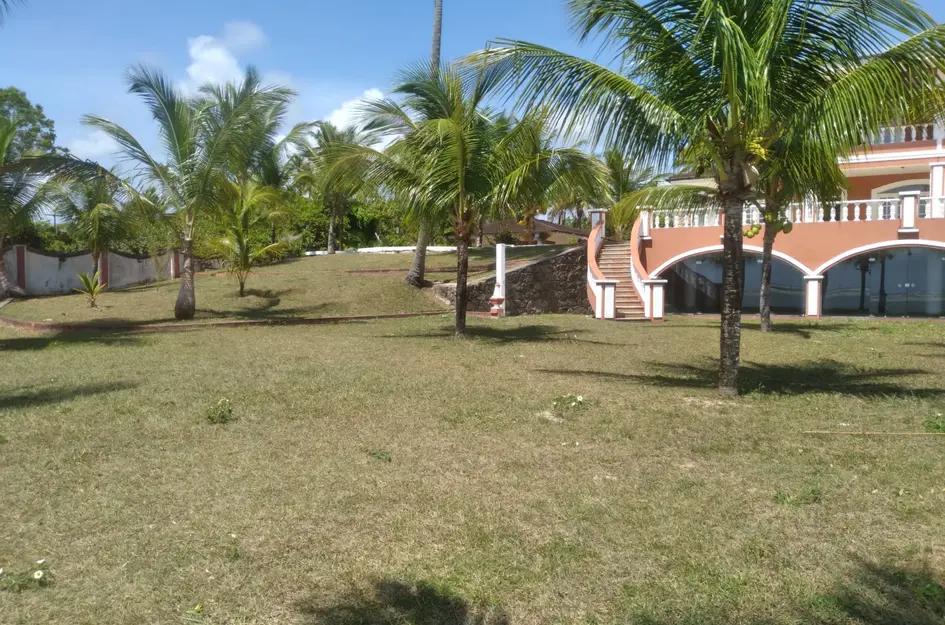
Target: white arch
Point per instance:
(872, 247)
(718, 248)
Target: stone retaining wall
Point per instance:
(551, 285)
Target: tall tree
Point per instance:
(22, 196)
(94, 214)
(416, 276)
(337, 193)
(445, 160)
(35, 132)
(713, 81)
(201, 139)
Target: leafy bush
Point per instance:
(92, 287)
(221, 412)
(506, 237)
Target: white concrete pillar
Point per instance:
(910, 211)
(498, 295)
(645, 225)
(598, 215)
(657, 295)
(937, 190)
(813, 306)
(607, 302)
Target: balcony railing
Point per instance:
(905, 134)
(802, 212)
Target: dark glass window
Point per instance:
(695, 285)
(898, 282)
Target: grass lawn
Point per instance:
(325, 286)
(385, 473)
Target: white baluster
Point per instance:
(869, 211)
(718, 218)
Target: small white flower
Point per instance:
(232, 535)
(580, 398)
(1, 571)
(42, 561)
(38, 575)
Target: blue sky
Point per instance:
(71, 56)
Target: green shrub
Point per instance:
(92, 287)
(506, 237)
(221, 412)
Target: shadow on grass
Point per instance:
(522, 334)
(390, 602)
(884, 595)
(813, 377)
(30, 399)
(61, 339)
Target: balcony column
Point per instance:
(645, 225)
(598, 215)
(910, 211)
(657, 295)
(813, 305)
(937, 190)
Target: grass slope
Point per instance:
(327, 286)
(386, 473)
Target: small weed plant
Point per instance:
(806, 497)
(221, 412)
(37, 576)
(936, 425)
(92, 287)
(568, 405)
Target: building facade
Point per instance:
(880, 251)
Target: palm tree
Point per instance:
(250, 206)
(337, 193)
(22, 196)
(95, 215)
(710, 84)
(444, 160)
(416, 276)
(437, 35)
(538, 172)
(625, 177)
(6, 5)
(201, 138)
(792, 170)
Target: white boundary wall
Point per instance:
(48, 273)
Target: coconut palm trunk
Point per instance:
(186, 305)
(331, 233)
(417, 274)
(462, 273)
(732, 289)
(766, 264)
(437, 35)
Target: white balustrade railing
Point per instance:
(909, 133)
(885, 209)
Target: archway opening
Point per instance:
(895, 282)
(694, 285)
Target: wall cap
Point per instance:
(813, 278)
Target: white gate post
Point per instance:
(498, 296)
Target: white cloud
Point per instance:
(213, 59)
(347, 114)
(243, 36)
(93, 146)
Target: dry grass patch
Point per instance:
(385, 473)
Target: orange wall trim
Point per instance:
(811, 244)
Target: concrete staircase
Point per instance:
(614, 262)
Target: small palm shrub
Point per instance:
(92, 287)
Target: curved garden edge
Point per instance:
(66, 328)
